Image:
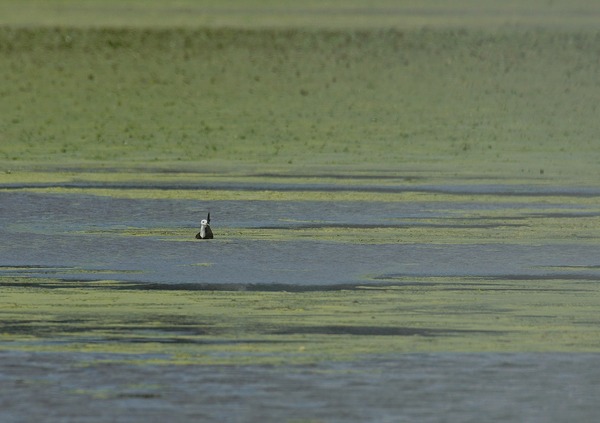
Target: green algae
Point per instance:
(276, 327)
(303, 14)
(462, 102)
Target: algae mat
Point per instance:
(471, 103)
(167, 326)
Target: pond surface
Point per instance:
(412, 387)
(88, 237)
(276, 245)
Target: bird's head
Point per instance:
(204, 222)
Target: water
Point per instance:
(80, 238)
(77, 237)
(411, 387)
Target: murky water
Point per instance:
(79, 237)
(413, 387)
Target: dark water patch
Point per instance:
(510, 190)
(190, 341)
(375, 331)
(578, 267)
(166, 326)
(254, 287)
(31, 266)
(101, 284)
(492, 218)
(389, 226)
(34, 268)
(486, 189)
(43, 328)
(34, 283)
(341, 176)
(50, 270)
(48, 283)
(517, 289)
(81, 326)
(543, 277)
(565, 215)
(586, 322)
(139, 395)
(501, 277)
(89, 331)
(451, 285)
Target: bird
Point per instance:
(205, 231)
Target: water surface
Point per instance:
(88, 237)
(413, 387)
(276, 245)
